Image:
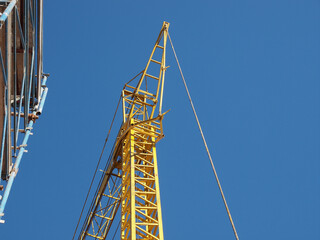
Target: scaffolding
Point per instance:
(23, 88)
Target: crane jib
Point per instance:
(130, 179)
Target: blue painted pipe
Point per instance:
(43, 99)
(44, 81)
(30, 80)
(3, 137)
(6, 12)
(43, 95)
(14, 171)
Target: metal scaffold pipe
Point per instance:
(23, 88)
(7, 12)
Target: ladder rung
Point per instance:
(109, 196)
(160, 46)
(155, 61)
(20, 130)
(21, 146)
(101, 216)
(145, 207)
(148, 75)
(95, 236)
(141, 91)
(21, 114)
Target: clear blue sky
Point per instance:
(253, 71)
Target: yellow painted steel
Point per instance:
(131, 178)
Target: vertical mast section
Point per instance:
(130, 178)
(140, 207)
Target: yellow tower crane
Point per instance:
(130, 179)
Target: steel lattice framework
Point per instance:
(130, 180)
(22, 83)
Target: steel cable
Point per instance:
(205, 143)
(95, 172)
(116, 230)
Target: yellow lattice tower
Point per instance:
(140, 208)
(131, 177)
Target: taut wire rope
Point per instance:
(116, 231)
(95, 172)
(205, 143)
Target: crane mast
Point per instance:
(130, 179)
